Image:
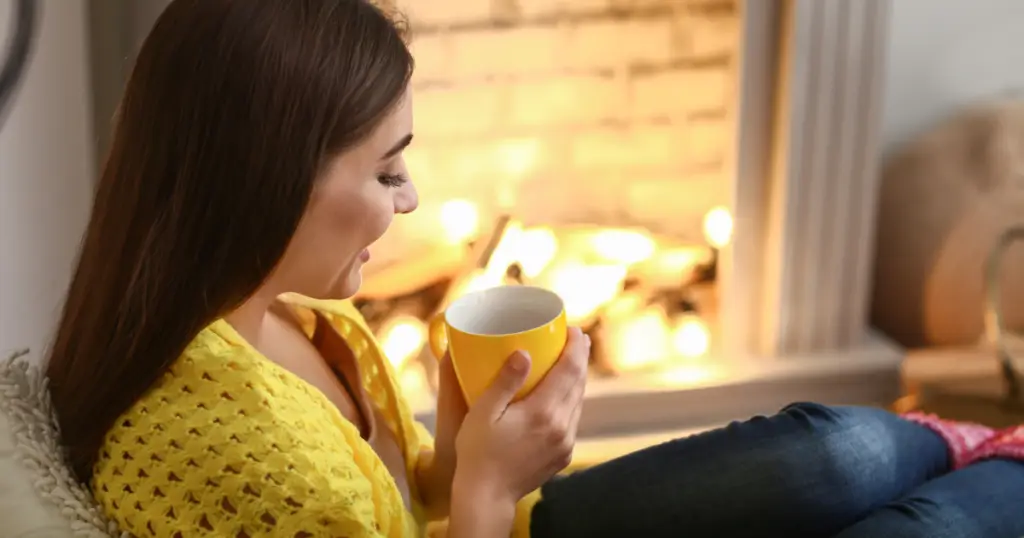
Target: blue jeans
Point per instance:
(810, 471)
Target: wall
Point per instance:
(46, 171)
(116, 31)
(945, 200)
(944, 53)
(604, 110)
(110, 50)
(598, 110)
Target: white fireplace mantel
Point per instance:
(797, 275)
(794, 281)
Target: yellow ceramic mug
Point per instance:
(482, 329)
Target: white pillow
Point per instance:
(38, 495)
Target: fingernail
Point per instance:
(519, 362)
(587, 336)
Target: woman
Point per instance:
(209, 381)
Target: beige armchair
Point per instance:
(38, 496)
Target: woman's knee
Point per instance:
(857, 433)
(849, 459)
(829, 418)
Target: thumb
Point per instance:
(504, 387)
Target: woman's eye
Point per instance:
(392, 180)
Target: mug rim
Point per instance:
(553, 302)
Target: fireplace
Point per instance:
(696, 178)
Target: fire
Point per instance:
(402, 338)
(690, 337)
(460, 221)
(623, 246)
(678, 260)
(414, 382)
(537, 247)
(718, 227)
(478, 280)
(668, 266)
(588, 268)
(640, 341)
(584, 288)
(531, 248)
(643, 336)
(508, 251)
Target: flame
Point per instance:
(585, 288)
(478, 280)
(623, 246)
(680, 260)
(533, 249)
(718, 227)
(669, 267)
(506, 252)
(623, 307)
(690, 337)
(460, 220)
(537, 247)
(402, 338)
(640, 340)
(413, 381)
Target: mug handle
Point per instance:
(437, 336)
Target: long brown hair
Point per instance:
(230, 113)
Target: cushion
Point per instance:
(38, 495)
(946, 197)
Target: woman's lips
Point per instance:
(364, 256)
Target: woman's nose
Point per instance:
(406, 199)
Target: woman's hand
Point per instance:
(438, 469)
(506, 450)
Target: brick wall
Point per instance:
(606, 111)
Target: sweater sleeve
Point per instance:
(232, 448)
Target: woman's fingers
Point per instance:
(510, 379)
(573, 424)
(566, 374)
(573, 404)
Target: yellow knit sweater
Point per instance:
(229, 444)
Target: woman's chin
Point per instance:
(347, 286)
(344, 286)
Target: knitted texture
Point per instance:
(229, 444)
(969, 443)
(25, 402)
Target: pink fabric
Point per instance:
(970, 442)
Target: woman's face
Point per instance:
(351, 207)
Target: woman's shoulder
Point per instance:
(219, 373)
(222, 432)
(220, 388)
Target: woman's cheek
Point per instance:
(385, 214)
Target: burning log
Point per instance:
(643, 299)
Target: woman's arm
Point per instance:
(479, 510)
(435, 484)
